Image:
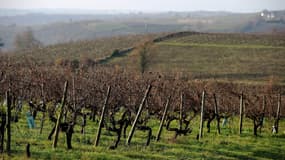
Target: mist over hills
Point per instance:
(61, 26)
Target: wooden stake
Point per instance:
(73, 93)
(60, 115)
(278, 113)
(263, 105)
(138, 115)
(163, 119)
(28, 153)
(3, 123)
(263, 112)
(241, 113)
(217, 114)
(93, 113)
(181, 111)
(42, 122)
(102, 117)
(43, 116)
(202, 116)
(8, 100)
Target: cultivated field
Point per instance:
(242, 57)
(185, 95)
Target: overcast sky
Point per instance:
(149, 5)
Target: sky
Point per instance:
(149, 5)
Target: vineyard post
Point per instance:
(3, 123)
(278, 113)
(163, 119)
(181, 111)
(73, 101)
(73, 93)
(60, 115)
(43, 116)
(263, 111)
(42, 123)
(8, 100)
(28, 153)
(93, 113)
(202, 116)
(138, 115)
(102, 117)
(241, 113)
(217, 114)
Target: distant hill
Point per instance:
(54, 27)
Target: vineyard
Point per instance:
(88, 49)
(108, 112)
(230, 57)
(67, 99)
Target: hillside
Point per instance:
(221, 56)
(243, 57)
(90, 49)
(54, 28)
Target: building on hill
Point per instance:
(267, 15)
(273, 16)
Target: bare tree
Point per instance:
(144, 50)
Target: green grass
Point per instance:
(219, 45)
(228, 145)
(232, 39)
(234, 57)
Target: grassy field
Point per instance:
(228, 145)
(240, 57)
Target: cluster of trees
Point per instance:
(26, 40)
(23, 41)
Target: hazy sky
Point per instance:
(150, 5)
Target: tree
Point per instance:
(26, 40)
(144, 55)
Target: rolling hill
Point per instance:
(220, 56)
(240, 57)
(53, 28)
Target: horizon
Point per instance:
(72, 10)
(235, 6)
